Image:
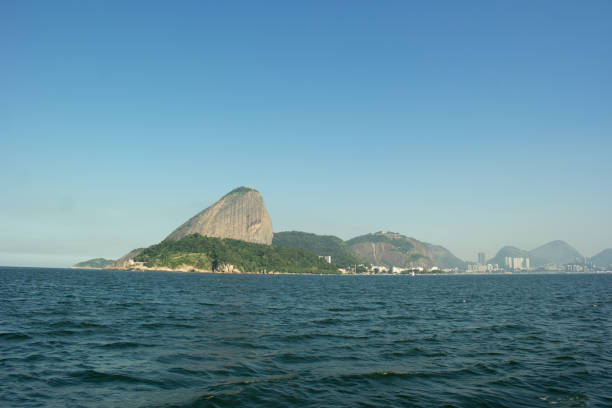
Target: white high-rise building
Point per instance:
(517, 262)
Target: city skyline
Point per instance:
(471, 126)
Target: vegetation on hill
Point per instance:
(209, 253)
(94, 263)
(341, 254)
(396, 240)
(393, 249)
(239, 190)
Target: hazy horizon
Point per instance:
(468, 125)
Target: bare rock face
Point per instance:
(227, 268)
(241, 214)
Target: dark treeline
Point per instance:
(323, 245)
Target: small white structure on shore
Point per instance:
(327, 258)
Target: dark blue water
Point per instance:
(126, 339)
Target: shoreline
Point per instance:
(199, 271)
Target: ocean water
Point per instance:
(79, 338)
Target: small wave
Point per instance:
(244, 344)
(298, 359)
(408, 353)
(230, 313)
(60, 332)
(352, 309)
(125, 344)
(498, 328)
(243, 391)
(348, 379)
(160, 325)
(328, 321)
(478, 369)
(14, 336)
(29, 358)
(562, 397)
(312, 336)
(565, 358)
(69, 324)
(186, 371)
(94, 376)
(399, 318)
(130, 304)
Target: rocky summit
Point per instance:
(241, 214)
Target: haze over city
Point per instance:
(471, 126)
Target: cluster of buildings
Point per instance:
(374, 269)
(523, 264)
(395, 270)
(517, 263)
(510, 264)
(482, 266)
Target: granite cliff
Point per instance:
(241, 214)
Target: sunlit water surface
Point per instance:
(81, 338)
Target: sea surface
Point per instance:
(85, 338)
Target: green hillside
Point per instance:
(393, 249)
(209, 253)
(341, 254)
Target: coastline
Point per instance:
(201, 271)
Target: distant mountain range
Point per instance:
(554, 252)
(241, 216)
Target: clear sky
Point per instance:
(470, 124)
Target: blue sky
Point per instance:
(467, 124)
